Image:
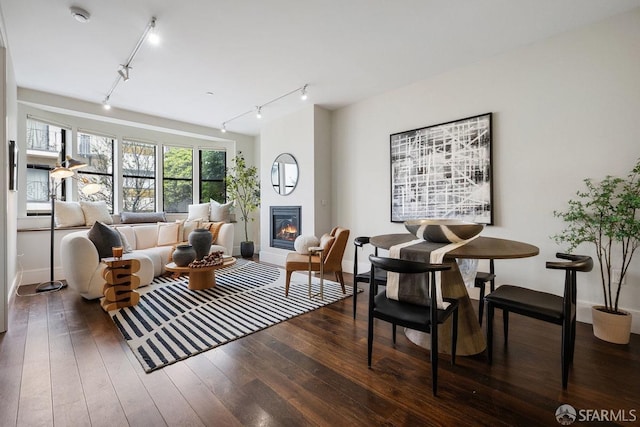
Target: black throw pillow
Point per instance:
(104, 238)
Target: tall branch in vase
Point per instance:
(243, 189)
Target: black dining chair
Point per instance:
(364, 277)
(544, 306)
(425, 318)
(481, 280)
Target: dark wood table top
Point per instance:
(479, 248)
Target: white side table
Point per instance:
(317, 250)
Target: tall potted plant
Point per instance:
(243, 189)
(607, 214)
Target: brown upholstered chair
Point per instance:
(334, 245)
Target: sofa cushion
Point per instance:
(168, 233)
(140, 217)
(146, 236)
(104, 238)
(198, 211)
(68, 214)
(220, 212)
(186, 227)
(127, 233)
(96, 211)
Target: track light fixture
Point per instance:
(258, 109)
(124, 72)
(106, 104)
(150, 34)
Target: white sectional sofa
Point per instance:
(83, 269)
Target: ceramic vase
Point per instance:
(183, 255)
(200, 239)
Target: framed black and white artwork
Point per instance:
(443, 171)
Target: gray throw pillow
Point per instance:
(104, 238)
(139, 217)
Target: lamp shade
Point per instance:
(74, 164)
(91, 188)
(60, 172)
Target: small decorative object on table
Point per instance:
(183, 255)
(121, 283)
(214, 258)
(200, 239)
(117, 251)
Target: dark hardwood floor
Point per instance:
(62, 362)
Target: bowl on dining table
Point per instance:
(443, 230)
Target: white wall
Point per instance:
(564, 109)
(305, 135)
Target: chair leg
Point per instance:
(287, 282)
(505, 321)
(434, 358)
(355, 298)
(340, 279)
(454, 336)
(393, 333)
(490, 332)
(370, 340)
(481, 303)
(573, 339)
(566, 351)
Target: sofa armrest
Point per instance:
(225, 238)
(80, 259)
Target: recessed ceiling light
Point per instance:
(79, 14)
(209, 93)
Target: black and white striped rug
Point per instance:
(171, 322)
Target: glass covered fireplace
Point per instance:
(285, 226)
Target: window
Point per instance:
(45, 148)
(139, 176)
(97, 152)
(178, 178)
(213, 165)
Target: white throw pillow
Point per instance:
(68, 214)
(168, 233)
(220, 212)
(96, 211)
(186, 227)
(198, 211)
(303, 243)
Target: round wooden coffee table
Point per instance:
(203, 277)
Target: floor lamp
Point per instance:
(57, 175)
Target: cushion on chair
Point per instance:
(303, 243)
(326, 241)
(104, 238)
(536, 304)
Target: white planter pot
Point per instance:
(611, 327)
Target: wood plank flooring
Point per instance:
(62, 362)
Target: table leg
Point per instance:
(199, 280)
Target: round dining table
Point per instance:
(471, 341)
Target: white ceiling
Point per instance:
(248, 52)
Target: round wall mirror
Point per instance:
(284, 174)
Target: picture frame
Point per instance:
(13, 166)
(443, 171)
